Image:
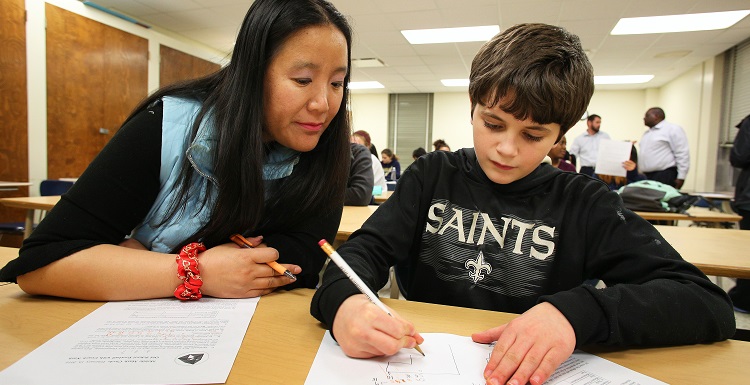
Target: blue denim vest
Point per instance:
(179, 115)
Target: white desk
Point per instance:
(12, 186)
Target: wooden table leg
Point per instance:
(29, 223)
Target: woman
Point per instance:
(557, 155)
(363, 137)
(259, 147)
(391, 166)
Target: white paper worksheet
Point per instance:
(161, 341)
(611, 155)
(452, 360)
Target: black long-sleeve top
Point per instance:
(459, 239)
(116, 192)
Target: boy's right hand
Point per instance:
(363, 330)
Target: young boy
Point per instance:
(491, 228)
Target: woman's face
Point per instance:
(304, 87)
(386, 159)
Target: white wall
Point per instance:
(451, 120)
(621, 112)
(370, 113)
(693, 101)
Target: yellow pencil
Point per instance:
(336, 258)
(243, 242)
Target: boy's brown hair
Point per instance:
(541, 68)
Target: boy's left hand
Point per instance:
(529, 348)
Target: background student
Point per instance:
(419, 151)
(440, 145)
(491, 228)
(391, 165)
(360, 182)
(260, 134)
(631, 173)
(557, 156)
(363, 138)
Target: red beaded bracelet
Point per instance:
(187, 271)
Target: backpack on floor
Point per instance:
(649, 195)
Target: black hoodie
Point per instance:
(460, 239)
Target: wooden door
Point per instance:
(177, 66)
(96, 75)
(14, 149)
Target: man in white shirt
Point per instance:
(586, 146)
(665, 154)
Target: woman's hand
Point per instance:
(229, 271)
(363, 330)
(628, 165)
(529, 348)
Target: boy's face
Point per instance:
(508, 149)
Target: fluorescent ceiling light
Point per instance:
(678, 23)
(367, 63)
(364, 85)
(455, 82)
(623, 79)
(450, 35)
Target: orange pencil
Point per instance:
(243, 242)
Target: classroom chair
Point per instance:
(46, 188)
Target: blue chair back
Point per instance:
(54, 187)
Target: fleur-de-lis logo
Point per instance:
(477, 267)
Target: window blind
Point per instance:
(409, 124)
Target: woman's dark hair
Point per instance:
(234, 96)
(419, 151)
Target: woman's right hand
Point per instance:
(629, 165)
(232, 272)
(363, 330)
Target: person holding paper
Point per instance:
(586, 146)
(242, 150)
(665, 154)
(491, 227)
(630, 171)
